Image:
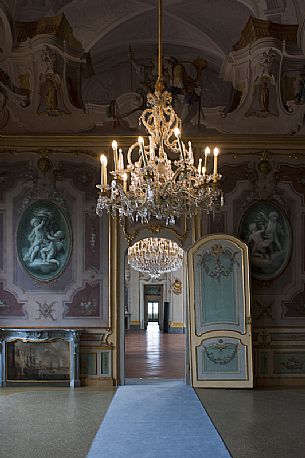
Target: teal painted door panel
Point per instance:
(219, 289)
(221, 358)
(220, 319)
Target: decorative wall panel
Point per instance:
(86, 303)
(56, 274)
(269, 191)
(9, 306)
(289, 362)
(93, 252)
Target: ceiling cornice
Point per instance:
(76, 143)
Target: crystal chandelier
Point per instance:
(160, 179)
(155, 256)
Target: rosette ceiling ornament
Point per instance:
(155, 256)
(160, 179)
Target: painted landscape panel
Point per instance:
(40, 361)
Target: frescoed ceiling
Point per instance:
(192, 28)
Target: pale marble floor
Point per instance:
(50, 422)
(62, 422)
(261, 423)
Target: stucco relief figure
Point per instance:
(50, 87)
(51, 100)
(267, 61)
(266, 231)
(43, 241)
(25, 80)
(264, 97)
(51, 93)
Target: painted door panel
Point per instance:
(220, 323)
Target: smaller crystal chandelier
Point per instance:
(155, 256)
(160, 179)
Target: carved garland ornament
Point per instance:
(220, 270)
(214, 352)
(177, 286)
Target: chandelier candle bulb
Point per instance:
(115, 154)
(216, 153)
(207, 152)
(191, 155)
(103, 160)
(121, 160)
(203, 171)
(199, 166)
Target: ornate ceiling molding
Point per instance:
(258, 28)
(94, 144)
(57, 26)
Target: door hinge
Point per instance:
(249, 320)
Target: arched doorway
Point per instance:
(155, 326)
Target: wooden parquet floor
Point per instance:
(154, 354)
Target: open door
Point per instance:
(220, 320)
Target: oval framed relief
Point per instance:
(44, 240)
(266, 229)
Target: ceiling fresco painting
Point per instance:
(64, 68)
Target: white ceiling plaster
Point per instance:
(141, 32)
(93, 19)
(256, 7)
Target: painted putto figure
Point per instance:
(46, 244)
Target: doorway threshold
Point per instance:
(154, 381)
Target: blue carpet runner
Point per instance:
(157, 421)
